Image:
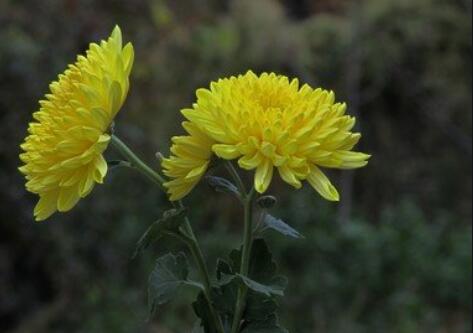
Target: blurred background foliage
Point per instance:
(393, 256)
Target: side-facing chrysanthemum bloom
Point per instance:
(266, 122)
(63, 152)
(189, 161)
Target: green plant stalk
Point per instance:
(236, 177)
(196, 252)
(245, 259)
(190, 240)
(247, 200)
(137, 163)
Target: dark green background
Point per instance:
(393, 256)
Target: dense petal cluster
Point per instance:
(265, 122)
(63, 152)
(189, 161)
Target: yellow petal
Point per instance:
(46, 205)
(227, 152)
(128, 58)
(197, 172)
(68, 197)
(100, 169)
(249, 162)
(288, 176)
(86, 182)
(263, 176)
(351, 159)
(322, 184)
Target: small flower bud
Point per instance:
(159, 156)
(267, 201)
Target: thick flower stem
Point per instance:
(189, 239)
(245, 259)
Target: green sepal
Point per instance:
(267, 201)
(167, 278)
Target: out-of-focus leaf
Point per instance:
(259, 307)
(278, 283)
(271, 222)
(201, 309)
(222, 185)
(197, 328)
(263, 285)
(167, 277)
(270, 325)
(170, 221)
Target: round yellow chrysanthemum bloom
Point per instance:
(265, 122)
(63, 151)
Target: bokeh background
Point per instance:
(393, 256)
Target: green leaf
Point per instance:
(223, 268)
(270, 325)
(262, 270)
(278, 283)
(277, 286)
(225, 295)
(222, 185)
(262, 267)
(202, 311)
(197, 328)
(169, 222)
(263, 286)
(271, 222)
(259, 307)
(168, 276)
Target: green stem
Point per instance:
(236, 177)
(189, 239)
(136, 162)
(245, 259)
(191, 242)
(196, 252)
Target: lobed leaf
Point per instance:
(168, 276)
(275, 288)
(170, 221)
(270, 325)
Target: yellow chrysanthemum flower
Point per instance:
(190, 160)
(63, 151)
(265, 122)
